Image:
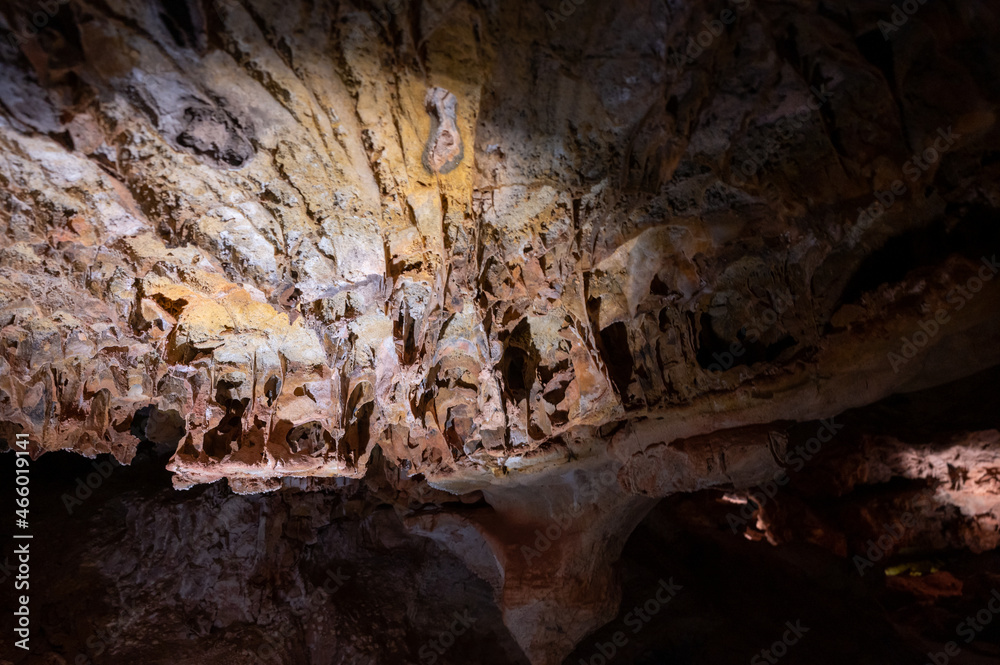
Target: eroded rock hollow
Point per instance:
(472, 331)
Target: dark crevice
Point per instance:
(218, 441)
(185, 23)
(309, 438)
(164, 429)
(975, 236)
(787, 47)
(514, 368)
(617, 355)
(877, 50)
(357, 435)
(968, 404)
(272, 388)
(717, 354)
(519, 364)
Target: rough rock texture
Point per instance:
(211, 577)
(334, 571)
(500, 248)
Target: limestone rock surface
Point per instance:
(495, 252)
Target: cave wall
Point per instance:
(500, 248)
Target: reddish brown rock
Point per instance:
(487, 250)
